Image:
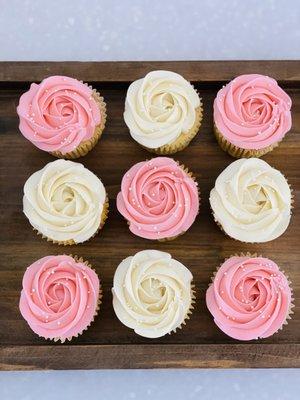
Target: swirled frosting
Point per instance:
(159, 108)
(251, 201)
(158, 199)
(252, 111)
(152, 293)
(249, 298)
(58, 114)
(64, 201)
(59, 297)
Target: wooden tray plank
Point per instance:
(107, 343)
(150, 356)
(126, 71)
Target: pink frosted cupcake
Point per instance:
(159, 198)
(60, 297)
(249, 297)
(251, 115)
(62, 116)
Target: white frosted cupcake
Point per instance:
(163, 112)
(65, 202)
(251, 201)
(152, 293)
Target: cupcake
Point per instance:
(163, 112)
(152, 293)
(65, 202)
(251, 201)
(251, 115)
(60, 297)
(249, 298)
(159, 198)
(62, 116)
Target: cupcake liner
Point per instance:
(87, 145)
(190, 174)
(183, 140)
(169, 239)
(241, 241)
(190, 310)
(255, 255)
(99, 302)
(71, 242)
(238, 152)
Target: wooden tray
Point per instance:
(107, 343)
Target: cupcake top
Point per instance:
(249, 298)
(152, 293)
(159, 108)
(158, 198)
(252, 112)
(59, 297)
(64, 201)
(58, 114)
(251, 201)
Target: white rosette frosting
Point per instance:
(64, 201)
(252, 201)
(152, 293)
(159, 108)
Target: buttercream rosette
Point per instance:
(163, 112)
(249, 297)
(60, 297)
(252, 114)
(65, 202)
(152, 293)
(159, 198)
(62, 116)
(251, 201)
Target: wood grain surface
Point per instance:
(107, 343)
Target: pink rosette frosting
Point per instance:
(249, 298)
(158, 199)
(59, 297)
(252, 112)
(58, 114)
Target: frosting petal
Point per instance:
(64, 201)
(252, 111)
(58, 114)
(159, 108)
(158, 199)
(152, 293)
(59, 297)
(249, 298)
(251, 201)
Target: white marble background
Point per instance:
(150, 30)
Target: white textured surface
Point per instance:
(150, 30)
(151, 385)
